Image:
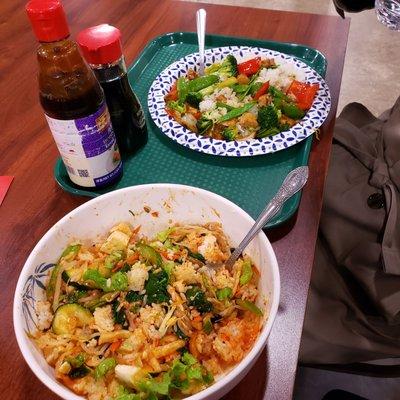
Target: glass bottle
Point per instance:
(73, 101)
(101, 47)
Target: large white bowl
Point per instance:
(174, 204)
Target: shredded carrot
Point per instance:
(118, 266)
(134, 233)
(115, 346)
(165, 254)
(134, 257)
(197, 318)
(168, 256)
(136, 230)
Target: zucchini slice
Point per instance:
(69, 317)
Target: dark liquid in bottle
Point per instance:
(72, 108)
(67, 87)
(126, 114)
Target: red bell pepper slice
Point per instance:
(250, 67)
(304, 93)
(263, 89)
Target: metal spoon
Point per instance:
(201, 32)
(293, 182)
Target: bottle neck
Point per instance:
(110, 72)
(55, 42)
(67, 86)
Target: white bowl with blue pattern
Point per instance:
(185, 137)
(93, 219)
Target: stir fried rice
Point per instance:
(131, 318)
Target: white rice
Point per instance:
(282, 76)
(208, 106)
(215, 114)
(44, 315)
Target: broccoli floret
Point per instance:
(194, 99)
(203, 125)
(268, 117)
(156, 287)
(226, 69)
(79, 372)
(284, 127)
(229, 134)
(118, 313)
(230, 65)
(174, 105)
(197, 298)
(133, 297)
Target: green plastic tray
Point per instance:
(249, 182)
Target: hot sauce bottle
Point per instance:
(73, 101)
(101, 47)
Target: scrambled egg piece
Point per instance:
(137, 276)
(208, 245)
(117, 240)
(209, 249)
(124, 228)
(186, 273)
(103, 318)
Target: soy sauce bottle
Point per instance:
(101, 47)
(73, 101)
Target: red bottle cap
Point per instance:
(100, 44)
(48, 20)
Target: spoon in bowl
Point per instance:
(293, 182)
(201, 32)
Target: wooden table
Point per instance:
(35, 202)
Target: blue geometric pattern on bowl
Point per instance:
(34, 290)
(306, 127)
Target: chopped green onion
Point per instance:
(104, 367)
(249, 306)
(247, 273)
(224, 294)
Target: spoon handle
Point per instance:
(201, 32)
(293, 182)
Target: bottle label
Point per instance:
(88, 148)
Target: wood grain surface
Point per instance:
(35, 202)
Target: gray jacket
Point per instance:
(353, 311)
